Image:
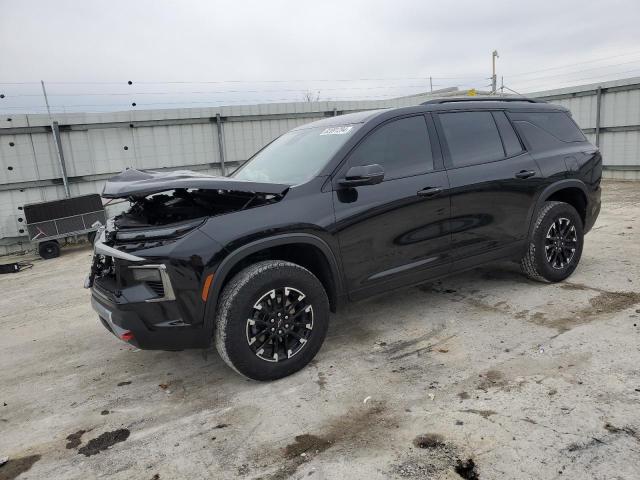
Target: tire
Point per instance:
(254, 295)
(48, 250)
(549, 256)
(91, 237)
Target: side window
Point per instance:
(472, 137)
(509, 138)
(538, 138)
(547, 129)
(402, 147)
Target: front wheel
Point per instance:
(555, 246)
(271, 320)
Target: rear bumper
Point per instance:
(132, 324)
(593, 209)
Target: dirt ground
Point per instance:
(483, 375)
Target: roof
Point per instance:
(436, 105)
(481, 99)
(347, 119)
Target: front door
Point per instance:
(396, 232)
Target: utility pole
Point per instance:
(494, 79)
(55, 131)
(501, 85)
(46, 99)
(431, 84)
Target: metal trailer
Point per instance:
(48, 222)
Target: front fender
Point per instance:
(227, 264)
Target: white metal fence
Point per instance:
(98, 145)
(609, 115)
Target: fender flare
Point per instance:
(230, 261)
(550, 190)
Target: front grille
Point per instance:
(157, 287)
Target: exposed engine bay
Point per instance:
(181, 205)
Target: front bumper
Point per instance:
(148, 315)
(131, 323)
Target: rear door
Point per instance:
(493, 184)
(396, 232)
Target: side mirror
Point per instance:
(363, 175)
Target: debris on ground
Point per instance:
(467, 469)
(442, 457)
(482, 413)
(429, 440)
(121, 384)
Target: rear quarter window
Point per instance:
(547, 129)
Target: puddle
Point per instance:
(17, 466)
(74, 439)
(104, 441)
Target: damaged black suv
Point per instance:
(338, 210)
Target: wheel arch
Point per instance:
(571, 191)
(319, 259)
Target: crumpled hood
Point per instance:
(138, 183)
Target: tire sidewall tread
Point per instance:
(534, 263)
(238, 297)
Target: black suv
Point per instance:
(338, 210)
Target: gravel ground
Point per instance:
(483, 375)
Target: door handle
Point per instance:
(525, 174)
(429, 192)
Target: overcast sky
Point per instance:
(270, 50)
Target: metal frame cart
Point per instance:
(48, 222)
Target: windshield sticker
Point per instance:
(336, 130)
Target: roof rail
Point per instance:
(481, 99)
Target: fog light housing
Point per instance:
(146, 274)
(155, 277)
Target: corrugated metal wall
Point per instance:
(98, 145)
(618, 123)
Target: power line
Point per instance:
(227, 101)
(185, 82)
(576, 82)
(82, 94)
(581, 71)
(574, 64)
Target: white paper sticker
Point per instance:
(337, 130)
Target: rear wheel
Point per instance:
(91, 237)
(555, 246)
(271, 320)
(48, 250)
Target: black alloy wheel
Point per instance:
(561, 243)
(280, 325)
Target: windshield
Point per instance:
(296, 156)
